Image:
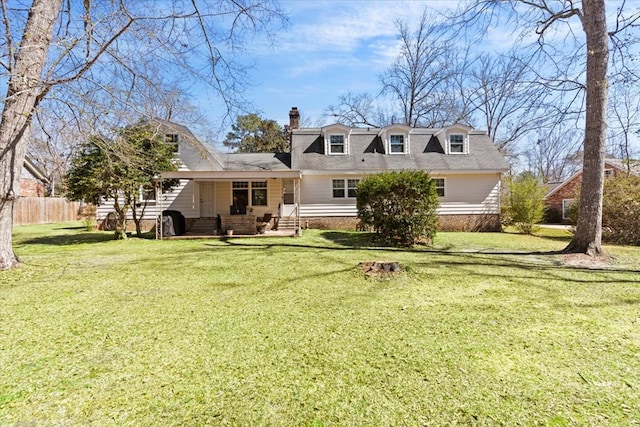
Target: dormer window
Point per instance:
(456, 144)
(396, 139)
(397, 144)
(336, 139)
(454, 139)
(337, 144)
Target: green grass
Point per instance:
(482, 329)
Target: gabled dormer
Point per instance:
(336, 139)
(454, 139)
(396, 139)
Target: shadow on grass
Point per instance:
(71, 239)
(84, 236)
(447, 256)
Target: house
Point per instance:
(314, 185)
(32, 180)
(560, 197)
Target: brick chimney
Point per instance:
(294, 118)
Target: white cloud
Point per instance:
(343, 26)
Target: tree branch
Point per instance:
(9, 38)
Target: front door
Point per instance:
(207, 197)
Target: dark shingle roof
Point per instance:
(366, 153)
(256, 161)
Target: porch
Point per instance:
(221, 204)
(209, 228)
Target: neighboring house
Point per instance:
(560, 197)
(32, 180)
(314, 185)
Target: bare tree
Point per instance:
(436, 83)
(46, 47)
(421, 80)
(624, 118)
(554, 155)
(359, 109)
(561, 52)
(588, 236)
(503, 93)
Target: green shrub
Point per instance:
(399, 206)
(524, 203)
(621, 210)
(87, 214)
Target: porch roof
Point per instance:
(231, 175)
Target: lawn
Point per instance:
(480, 329)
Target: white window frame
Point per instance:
(141, 193)
(250, 188)
(258, 185)
(345, 145)
(405, 143)
(443, 186)
(464, 143)
(334, 188)
(609, 173)
(351, 189)
(346, 187)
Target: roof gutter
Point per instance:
(230, 175)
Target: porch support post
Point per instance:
(296, 184)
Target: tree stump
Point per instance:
(380, 267)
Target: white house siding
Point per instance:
(180, 198)
(318, 189)
(470, 194)
(274, 197)
(464, 195)
(185, 199)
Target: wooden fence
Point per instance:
(42, 210)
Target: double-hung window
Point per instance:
(439, 186)
(397, 144)
(339, 188)
(352, 186)
(345, 188)
(456, 144)
(337, 144)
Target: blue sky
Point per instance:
(330, 48)
(333, 47)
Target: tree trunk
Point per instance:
(121, 219)
(588, 236)
(24, 87)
